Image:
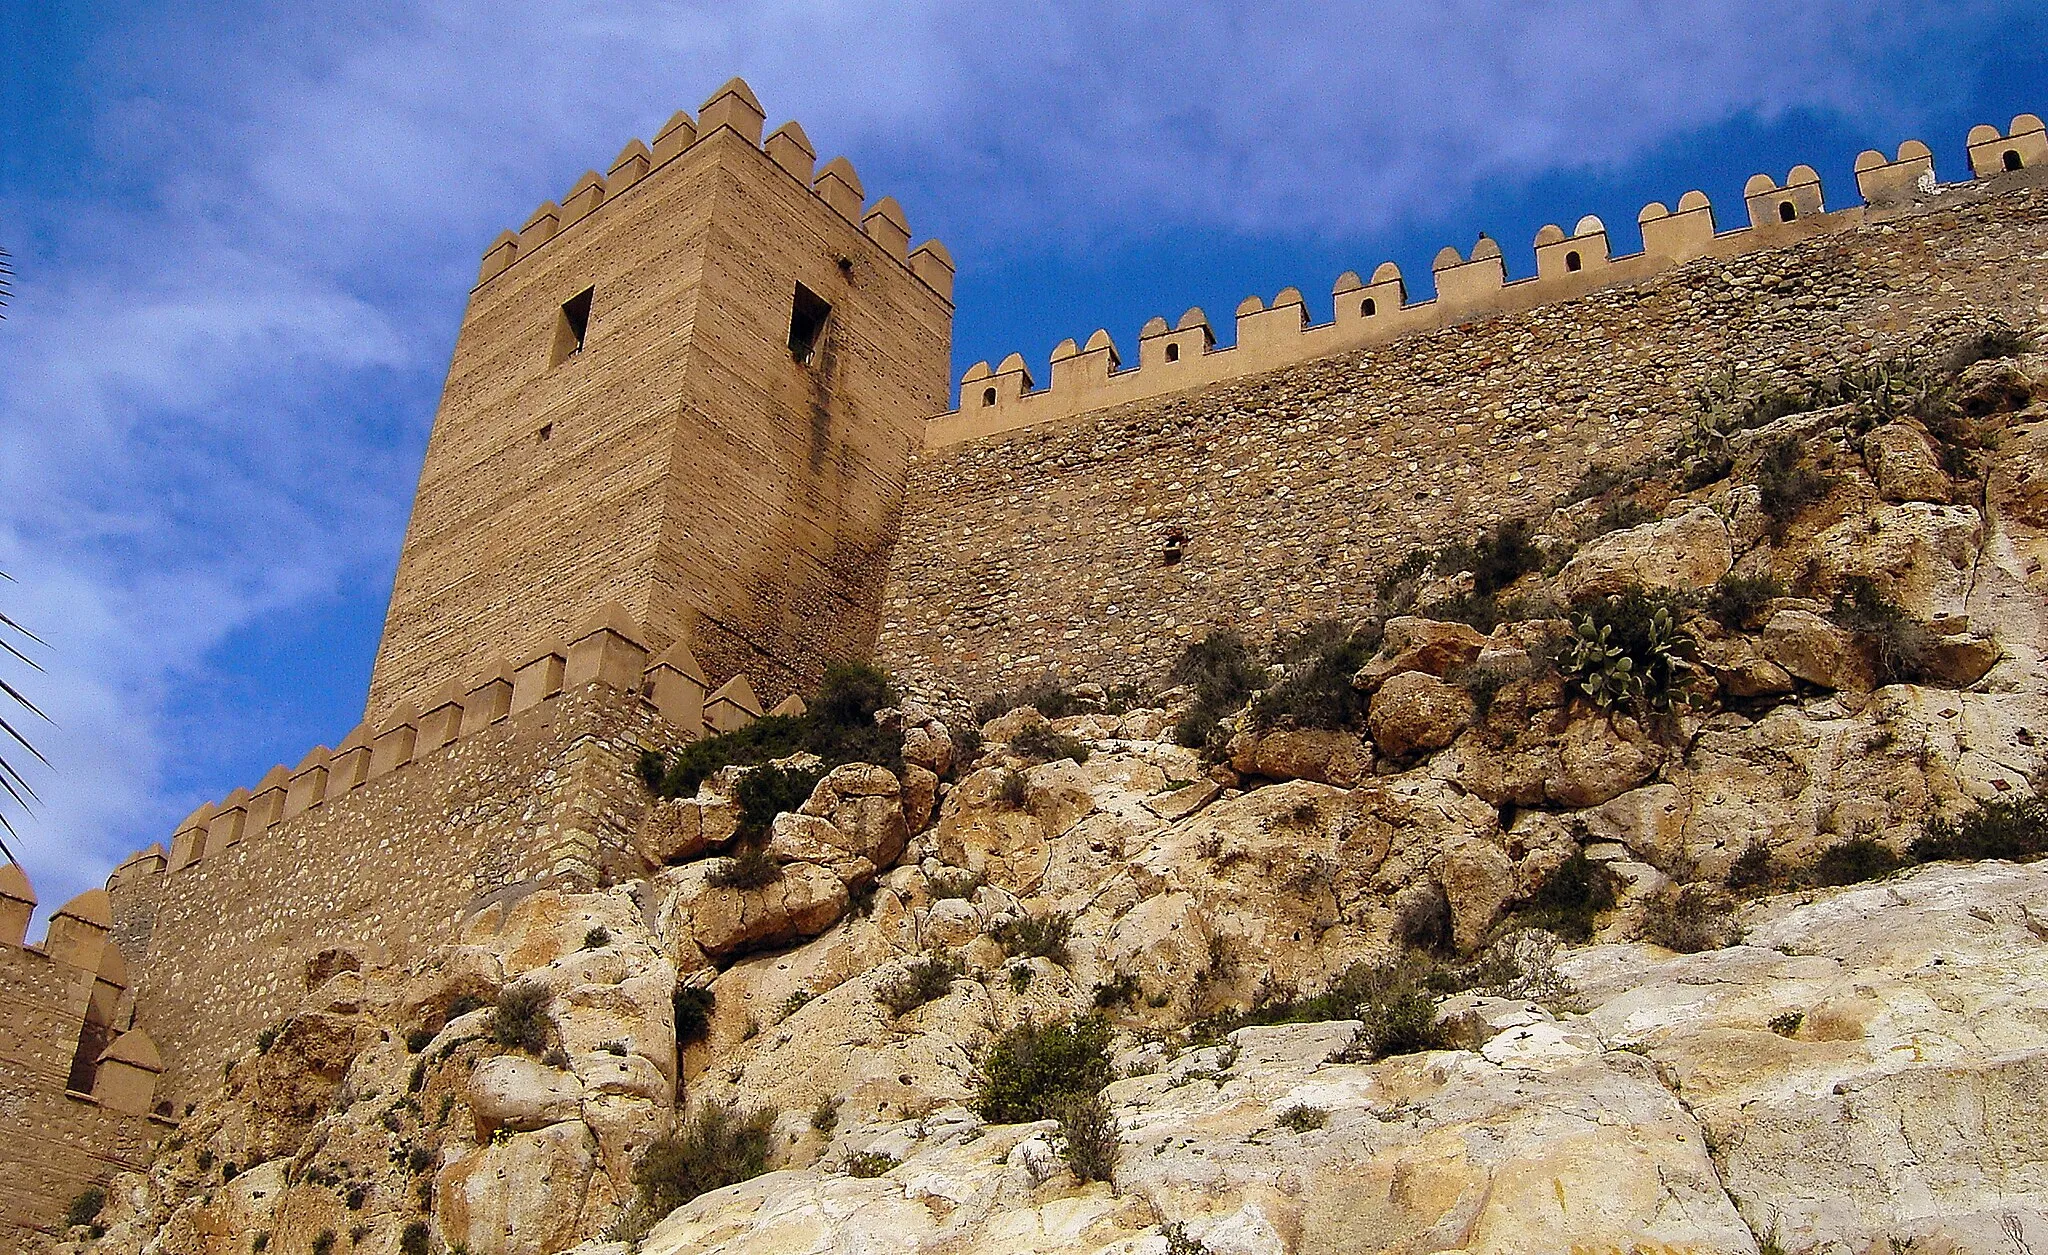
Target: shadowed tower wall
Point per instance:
(685, 461)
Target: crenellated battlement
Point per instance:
(735, 110)
(1093, 376)
(78, 1076)
(610, 648)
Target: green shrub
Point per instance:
(749, 867)
(1120, 990)
(966, 750)
(1751, 869)
(1901, 649)
(323, 1242)
(692, 1005)
(1853, 860)
(1736, 599)
(1042, 937)
(1786, 1024)
(718, 1146)
(414, 1240)
(839, 726)
(1596, 480)
(1088, 1136)
(1317, 691)
(1687, 920)
(1048, 695)
(768, 791)
(1787, 484)
(1617, 515)
(86, 1208)
(870, 1163)
(597, 938)
(418, 1039)
(1993, 342)
(520, 1020)
(1041, 744)
(796, 1002)
(825, 1116)
(923, 980)
(1014, 790)
(1221, 671)
(1029, 1071)
(2006, 828)
(418, 1160)
(1303, 1118)
(1400, 583)
(1497, 558)
(1570, 901)
(261, 1243)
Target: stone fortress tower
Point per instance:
(691, 389)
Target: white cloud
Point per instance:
(258, 267)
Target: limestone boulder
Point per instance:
(1864, 1061)
(1410, 643)
(1003, 830)
(803, 900)
(1995, 386)
(1008, 727)
(1903, 464)
(1741, 668)
(523, 1195)
(522, 1094)
(1601, 757)
(672, 831)
(1812, 649)
(1414, 712)
(1689, 551)
(1325, 756)
(1921, 555)
(1478, 879)
(920, 797)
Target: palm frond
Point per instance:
(13, 784)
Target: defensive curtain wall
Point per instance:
(375, 849)
(1095, 525)
(77, 1079)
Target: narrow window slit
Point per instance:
(807, 317)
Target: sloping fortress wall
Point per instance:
(77, 1079)
(691, 388)
(376, 848)
(1096, 541)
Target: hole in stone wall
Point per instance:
(573, 327)
(1173, 352)
(807, 315)
(1572, 261)
(988, 396)
(2012, 160)
(1369, 308)
(1787, 211)
(1174, 550)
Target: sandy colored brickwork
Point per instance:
(1043, 548)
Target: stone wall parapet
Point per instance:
(733, 108)
(1092, 377)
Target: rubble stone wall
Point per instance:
(1099, 545)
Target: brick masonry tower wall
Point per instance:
(1288, 493)
(675, 453)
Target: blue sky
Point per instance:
(243, 235)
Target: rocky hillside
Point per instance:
(1655, 875)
